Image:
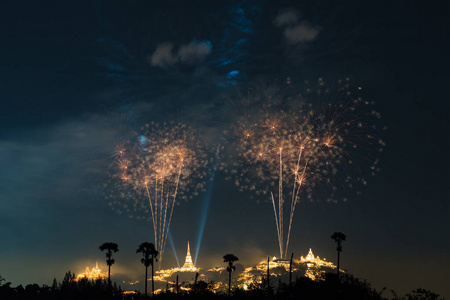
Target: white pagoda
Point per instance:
(188, 264)
(163, 275)
(94, 273)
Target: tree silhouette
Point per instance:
(230, 259)
(149, 254)
(422, 294)
(338, 237)
(290, 269)
(110, 248)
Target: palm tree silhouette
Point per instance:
(149, 254)
(338, 237)
(230, 259)
(110, 248)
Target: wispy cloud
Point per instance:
(53, 163)
(303, 32)
(194, 52)
(163, 56)
(295, 31)
(287, 17)
(188, 54)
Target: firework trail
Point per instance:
(165, 164)
(286, 149)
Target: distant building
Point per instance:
(93, 274)
(188, 265)
(165, 275)
(315, 265)
(310, 266)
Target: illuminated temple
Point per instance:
(188, 266)
(315, 265)
(93, 274)
(310, 266)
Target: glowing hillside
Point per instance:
(93, 274)
(310, 266)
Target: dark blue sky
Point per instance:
(71, 70)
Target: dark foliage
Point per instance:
(149, 254)
(303, 288)
(110, 248)
(69, 289)
(230, 259)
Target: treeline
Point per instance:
(349, 288)
(69, 288)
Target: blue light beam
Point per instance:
(173, 248)
(204, 215)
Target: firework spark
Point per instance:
(165, 164)
(286, 147)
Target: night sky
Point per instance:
(73, 72)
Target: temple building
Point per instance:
(315, 261)
(188, 264)
(310, 266)
(164, 275)
(93, 274)
(315, 266)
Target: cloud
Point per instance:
(194, 52)
(188, 54)
(56, 165)
(163, 56)
(51, 191)
(294, 31)
(303, 32)
(286, 18)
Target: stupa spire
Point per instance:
(188, 262)
(310, 255)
